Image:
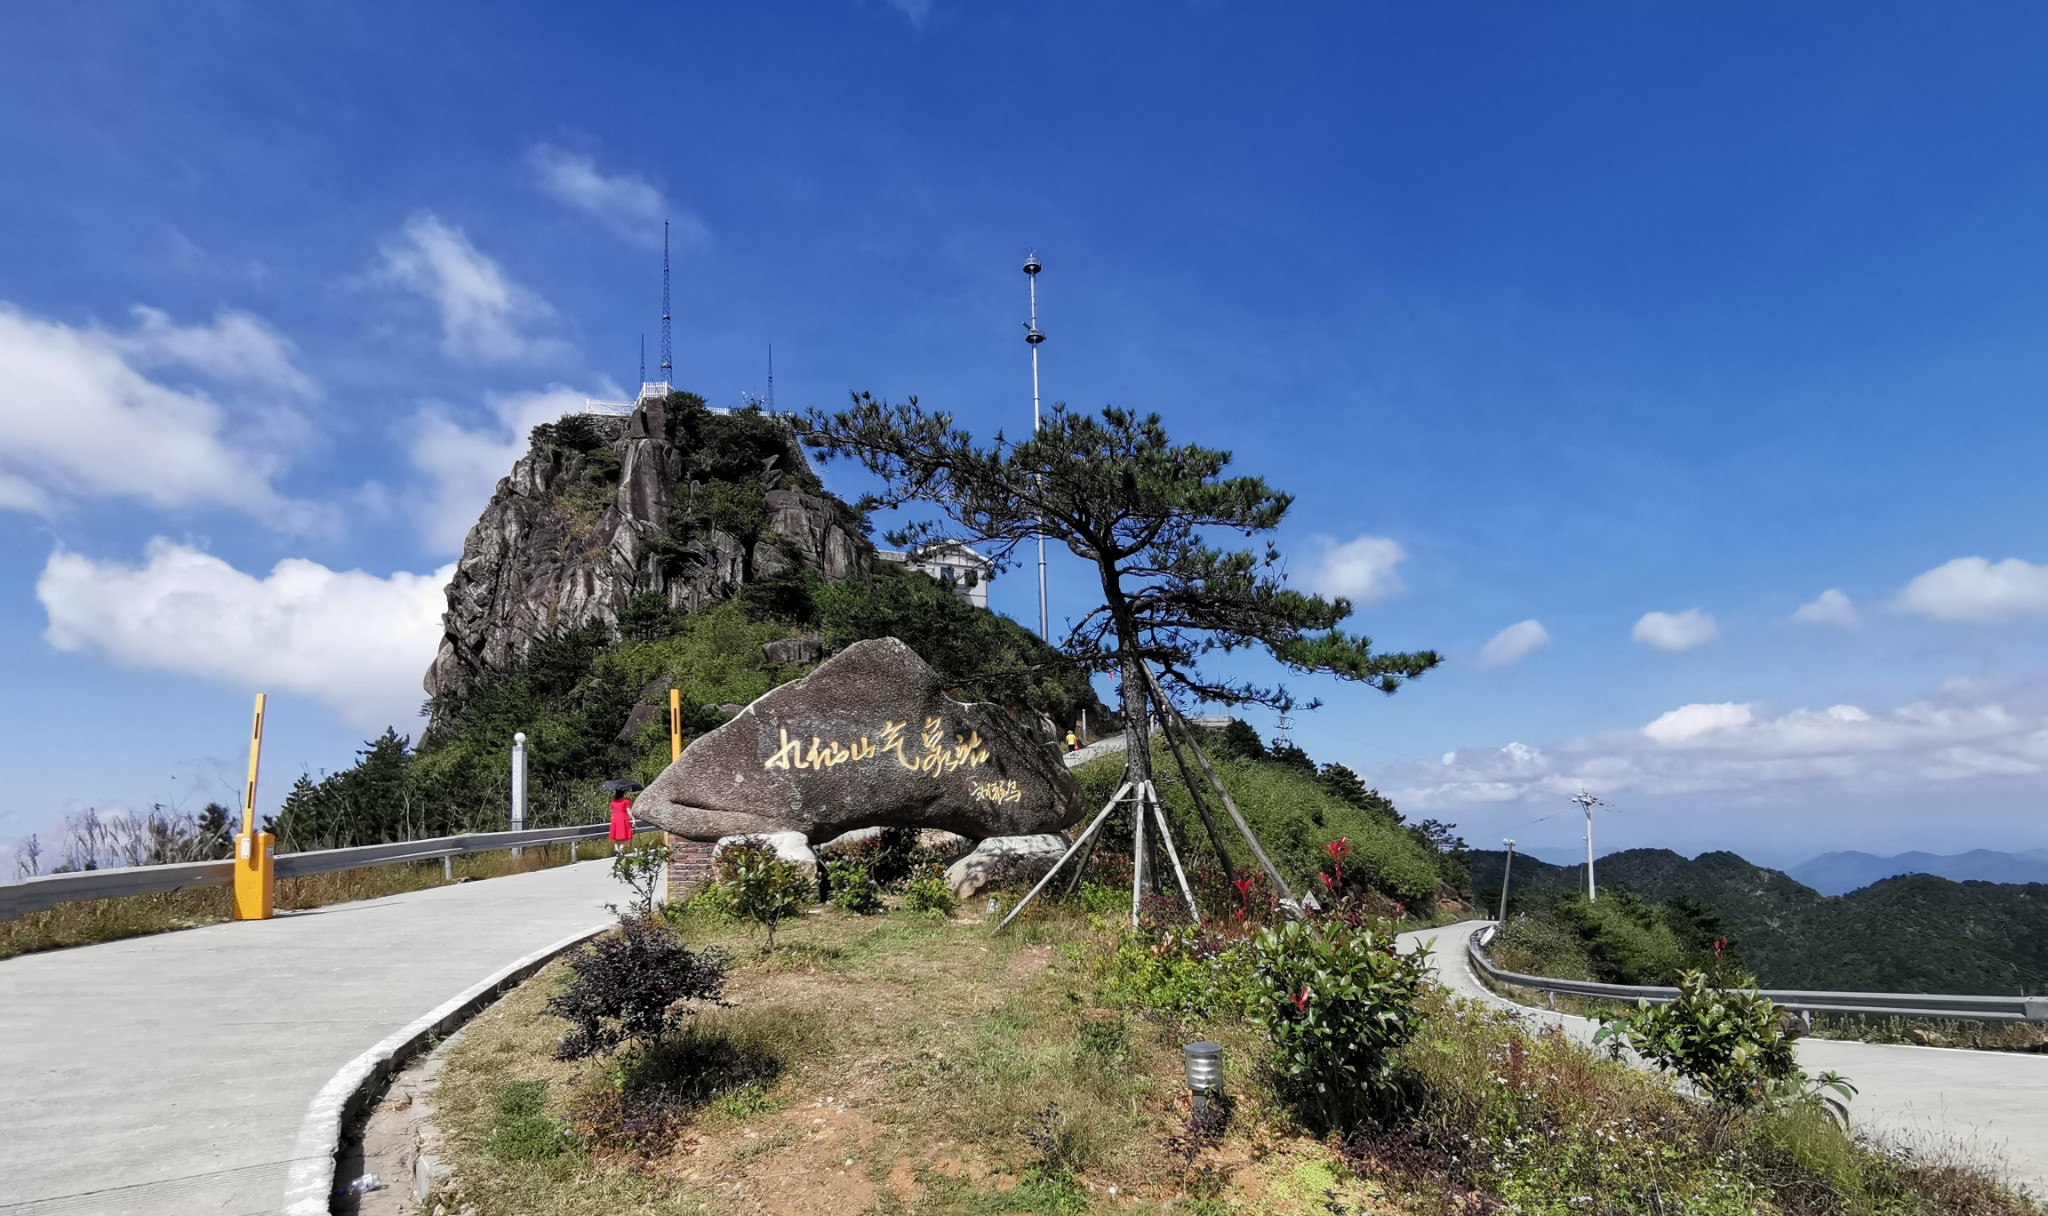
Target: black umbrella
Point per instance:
(620, 783)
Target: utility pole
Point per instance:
(1033, 337)
(1587, 802)
(1506, 869)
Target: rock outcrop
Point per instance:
(1023, 857)
(601, 510)
(869, 739)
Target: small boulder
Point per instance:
(1034, 854)
(804, 648)
(789, 846)
(945, 844)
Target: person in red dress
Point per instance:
(622, 821)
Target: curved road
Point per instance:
(1988, 1106)
(172, 1074)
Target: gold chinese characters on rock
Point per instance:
(938, 754)
(998, 791)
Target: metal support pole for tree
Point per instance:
(1187, 780)
(1072, 849)
(1229, 804)
(1172, 854)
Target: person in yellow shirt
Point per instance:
(1073, 744)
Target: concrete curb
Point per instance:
(309, 1188)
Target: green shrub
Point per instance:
(1729, 1042)
(629, 987)
(1538, 945)
(929, 893)
(765, 888)
(852, 887)
(1194, 972)
(1336, 1001)
(640, 867)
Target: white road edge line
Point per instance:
(309, 1188)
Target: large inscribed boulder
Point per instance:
(869, 739)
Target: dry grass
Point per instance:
(104, 920)
(910, 1057)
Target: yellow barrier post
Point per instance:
(675, 724)
(255, 852)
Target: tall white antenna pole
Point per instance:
(1587, 802)
(1034, 337)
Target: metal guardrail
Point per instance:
(1881, 1004)
(49, 890)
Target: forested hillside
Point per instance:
(1914, 933)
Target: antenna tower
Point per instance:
(643, 358)
(1033, 337)
(667, 360)
(771, 377)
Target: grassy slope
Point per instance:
(1907, 934)
(1292, 816)
(895, 1064)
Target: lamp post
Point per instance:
(1586, 800)
(1205, 1072)
(1506, 868)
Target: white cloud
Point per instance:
(1360, 570)
(355, 641)
(1733, 751)
(1675, 631)
(78, 420)
(1689, 722)
(463, 466)
(629, 205)
(1830, 607)
(1973, 589)
(1513, 644)
(485, 316)
(237, 348)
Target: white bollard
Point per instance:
(518, 787)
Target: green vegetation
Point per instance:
(1914, 933)
(1729, 1041)
(761, 886)
(903, 1063)
(1295, 816)
(1617, 939)
(1336, 1002)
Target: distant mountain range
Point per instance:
(1907, 933)
(1841, 873)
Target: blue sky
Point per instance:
(1650, 325)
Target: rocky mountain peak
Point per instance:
(676, 499)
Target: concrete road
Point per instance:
(170, 1074)
(1990, 1107)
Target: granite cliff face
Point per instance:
(674, 499)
